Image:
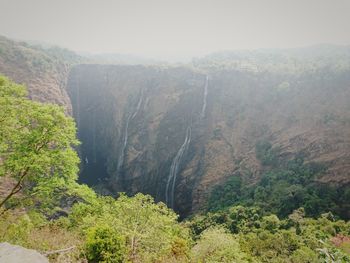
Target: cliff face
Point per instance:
(304, 115)
(133, 120)
(176, 133)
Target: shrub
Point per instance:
(217, 245)
(225, 195)
(304, 255)
(150, 229)
(104, 244)
(266, 154)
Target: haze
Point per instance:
(176, 29)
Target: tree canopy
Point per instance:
(36, 141)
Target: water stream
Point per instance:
(170, 186)
(205, 97)
(126, 135)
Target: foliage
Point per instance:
(104, 230)
(237, 219)
(284, 187)
(37, 154)
(225, 195)
(104, 244)
(35, 144)
(217, 245)
(36, 58)
(269, 225)
(33, 231)
(266, 154)
(151, 230)
(289, 62)
(269, 239)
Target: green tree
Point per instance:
(36, 142)
(266, 154)
(151, 230)
(217, 245)
(304, 255)
(225, 195)
(270, 223)
(104, 244)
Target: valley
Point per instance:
(237, 149)
(175, 131)
(178, 132)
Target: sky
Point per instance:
(176, 28)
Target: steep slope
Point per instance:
(299, 115)
(132, 121)
(43, 70)
(151, 130)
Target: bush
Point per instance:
(104, 244)
(266, 154)
(151, 230)
(225, 195)
(31, 230)
(304, 255)
(15, 229)
(269, 247)
(217, 245)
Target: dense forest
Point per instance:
(285, 218)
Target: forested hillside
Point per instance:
(43, 70)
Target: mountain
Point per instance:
(182, 132)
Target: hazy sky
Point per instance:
(176, 27)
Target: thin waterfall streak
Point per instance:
(125, 142)
(125, 138)
(94, 136)
(187, 142)
(138, 105)
(168, 182)
(173, 170)
(170, 193)
(205, 97)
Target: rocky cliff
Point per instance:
(133, 120)
(176, 133)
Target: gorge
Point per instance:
(178, 132)
(153, 120)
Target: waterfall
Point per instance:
(205, 97)
(126, 135)
(138, 105)
(93, 115)
(125, 142)
(170, 190)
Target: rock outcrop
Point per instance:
(15, 254)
